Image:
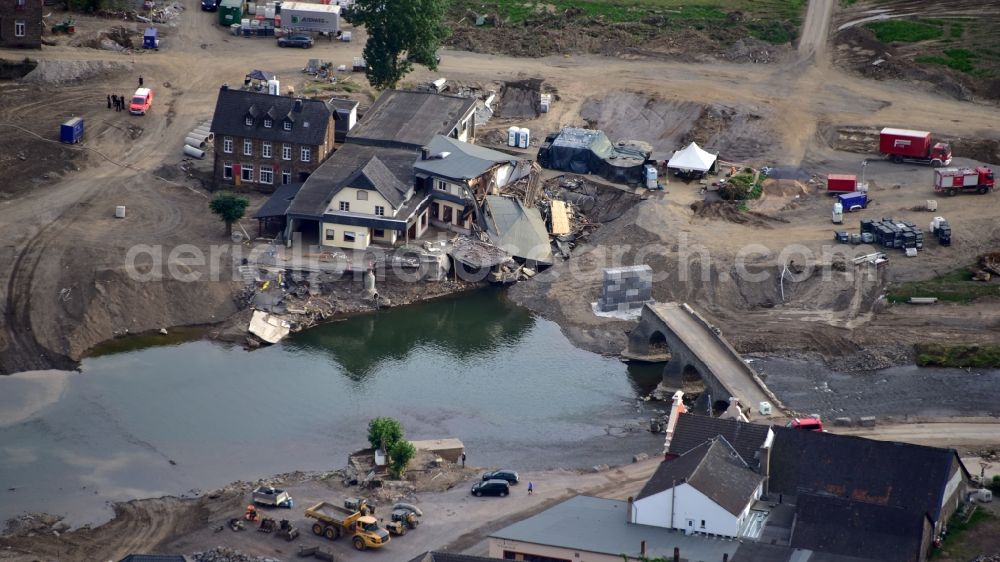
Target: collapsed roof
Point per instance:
(587, 151)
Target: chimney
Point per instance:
(642, 548)
(676, 409)
(677, 554)
(629, 518)
(425, 153)
(224, 87)
(298, 106)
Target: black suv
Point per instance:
(509, 475)
(491, 488)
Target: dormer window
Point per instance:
(267, 123)
(288, 125)
(249, 121)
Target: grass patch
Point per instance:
(956, 30)
(961, 356)
(953, 545)
(771, 31)
(846, 3)
(956, 286)
(680, 12)
(906, 31)
(348, 86)
(955, 59)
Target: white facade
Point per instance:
(693, 512)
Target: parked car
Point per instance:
(303, 41)
(491, 488)
(508, 476)
(142, 100)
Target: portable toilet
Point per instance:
(149, 40)
(512, 134)
(838, 213)
(651, 176)
(71, 131)
(273, 87)
(523, 137)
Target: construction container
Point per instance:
(841, 183)
(71, 132)
(150, 39)
(230, 12)
(931, 205)
(303, 16)
(120, 212)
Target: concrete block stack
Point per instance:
(626, 288)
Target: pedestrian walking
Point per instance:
(140, 80)
(463, 459)
(531, 488)
(109, 102)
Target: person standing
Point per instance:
(531, 488)
(140, 80)
(113, 102)
(463, 459)
(109, 101)
(121, 103)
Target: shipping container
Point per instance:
(71, 132)
(301, 16)
(904, 142)
(841, 183)
(853, 201)
(230, 12)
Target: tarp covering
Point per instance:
(586, 151)
(692, 157)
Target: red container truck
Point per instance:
(841, 183)
(954, 180)
(904, 145)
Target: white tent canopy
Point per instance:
(693, 157)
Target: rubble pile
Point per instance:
(222, 554)
(32, 524)
(987, 558)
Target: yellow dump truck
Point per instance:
(334, 521)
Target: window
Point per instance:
(379, 211)
(362, 195)
(267, 123)
(306, 154)
(423, 219)
(286, 152)
(379, 233)
(330, 234)
(246, 172)
(249, 121)
(21, 4)
(446, 214)
(286, 177)
(348, 237)
(227, 170)
(288, 125)
(19, 28)
(227, 145)
(702, 523)
(440, 185)
(265, 149)
(266, 175)
(345, 206)
(247, 147)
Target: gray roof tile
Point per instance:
(310, 121)
(464, 161)
(409, 119)
(693, 430)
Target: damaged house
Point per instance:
(586, 151)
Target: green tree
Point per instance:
(384, 432)
(400, 32)
(230, 208)
(400, 455)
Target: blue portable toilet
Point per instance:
(149, 40)
(71, 131)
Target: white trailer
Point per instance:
(302, 16)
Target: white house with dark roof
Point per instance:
(708, 490)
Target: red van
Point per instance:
(142, 99)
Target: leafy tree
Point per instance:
(399, 456)
(384, 432)
(230, 208)
(400, 32)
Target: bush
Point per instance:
(902, 31)
(384, 433)
(994, 484)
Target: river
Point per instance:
(196, 415)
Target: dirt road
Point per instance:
(972, 433)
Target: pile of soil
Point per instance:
(65, 71)
(634, 115)
(730, 211)
(520, 99)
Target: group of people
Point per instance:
(116, 102)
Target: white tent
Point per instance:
(692, 158)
